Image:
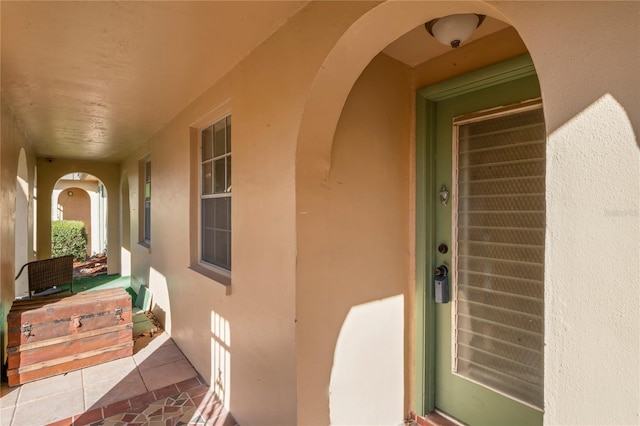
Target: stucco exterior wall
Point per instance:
(271, 275)
(316, 267)
(362, 259)
(125, 225)
(574, 65)
(591, 96)
(12, 141)
(137, 255)
(245, 339)
(23, 223)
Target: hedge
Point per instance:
(69, 237)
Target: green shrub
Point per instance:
(69, 237)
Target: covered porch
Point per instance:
(301, 293)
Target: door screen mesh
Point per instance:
(500, 253)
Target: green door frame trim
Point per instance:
(426, 198)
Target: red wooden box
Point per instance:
(54, 335)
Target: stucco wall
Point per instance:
(137, 255)
(23, 223)
(125, 225)
(361, 304)
(286, 99)
(245, 339)
(316, 267)
(574, 65)
(591, 96)
(12, 141)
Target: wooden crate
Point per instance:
(55, 335)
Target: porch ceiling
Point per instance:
(92, 80)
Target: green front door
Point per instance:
(486, 157)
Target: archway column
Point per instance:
(316, 217)
(22, 235)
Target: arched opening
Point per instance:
(356, 186)
(22, 254)
(75, 204)
(83, 197)
(50, 172)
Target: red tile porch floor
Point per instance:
(155, 386)
(187, 403)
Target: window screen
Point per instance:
(499, 312)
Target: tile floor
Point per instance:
(155, 386)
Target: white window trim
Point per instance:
(142, 176)
(147, 161)
(215, 272)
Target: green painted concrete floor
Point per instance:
(100, 282)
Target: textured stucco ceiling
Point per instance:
(92, 80)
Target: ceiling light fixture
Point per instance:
(453, 30)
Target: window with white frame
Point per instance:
(144, 201)
(147, 201)
(215, 194)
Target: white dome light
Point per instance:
(453, 30)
